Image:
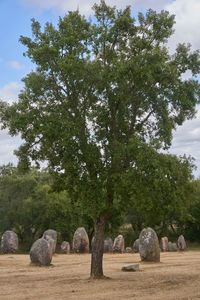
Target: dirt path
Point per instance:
(176, 277)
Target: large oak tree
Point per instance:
(103, 89)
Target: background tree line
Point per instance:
(164, 196)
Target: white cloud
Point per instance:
(187, 140)
(14, 64)
(187, 22)
(10, 91)
(85, 5)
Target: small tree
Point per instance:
(101, 90)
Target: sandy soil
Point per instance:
(176, 277)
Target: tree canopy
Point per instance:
(103, 91)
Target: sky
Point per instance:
(15, 20)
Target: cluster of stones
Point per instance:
(43, 249)
(169, 246)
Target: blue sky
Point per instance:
(15, 16)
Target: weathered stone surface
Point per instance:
(136, 246)
(119, 245)
(172, 247)
(130, 268)
(81, 241)
(41, 252)
(9, 242)
(181, 243)
(149, 246)
(108, 245)
(65, 247)
(164, 244)
(128, 250)
(50, 233)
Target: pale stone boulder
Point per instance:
(130, 268)
(181, 243)
(136, 246)
(108, 245)
(172, 247)
(65, 247)
(149, 245)
(128, 250)
(119, 244)
(41, 252)
(164, 244)
(51, 234)
(81, 241)
(9, 242)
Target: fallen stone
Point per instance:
(130, 268)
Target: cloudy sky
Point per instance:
(15, 18)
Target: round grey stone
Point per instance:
(9, 242)
(41, 252)
(65, 247)
(81, 241)
(50, 233)
(149, 246)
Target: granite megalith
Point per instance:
(136, 246)
(164, 244)
(50, 233)
(9, 242)
(65, 247)
(108, 245)
(41, 252)
(181, 243)
(119, 245)
(80, 241)
(149, 245)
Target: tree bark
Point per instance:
(97, 249)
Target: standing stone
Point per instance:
(50, 233)
(119, 245)
(136, 246)
(129, 250)
(181, 243)
(108, 245)
(149, 246)
(41, 253)
(9, 242)
(164, 244)
(81, 241)
(172, 247)
(65, 247)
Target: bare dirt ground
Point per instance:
(176, 277)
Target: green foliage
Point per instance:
(104, 98)
(29, 206)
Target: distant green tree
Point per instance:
(102, 89)
(162, 194)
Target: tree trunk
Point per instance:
(97, 249)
